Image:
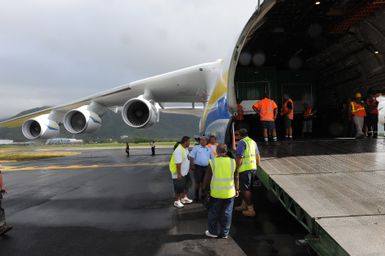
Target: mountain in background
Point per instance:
(170, 127)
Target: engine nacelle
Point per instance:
(40, 127)
(140, 113)
(82, 120)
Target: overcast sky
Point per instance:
(55, 51)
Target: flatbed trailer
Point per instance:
(334, 188)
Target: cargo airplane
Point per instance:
(315, 51)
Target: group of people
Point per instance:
(152, 146)
(217, 175)
(267, 109)
(363, 114)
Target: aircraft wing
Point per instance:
(188, 85)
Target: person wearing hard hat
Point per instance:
(4, 228)
(358, 112)
(224, 186)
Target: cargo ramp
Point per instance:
(334, 188)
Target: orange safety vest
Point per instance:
(358, 109)
(213, 149)
(372, 105)
(307, 114)
(286, 110)
(266, 108)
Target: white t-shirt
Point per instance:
(381, 109)
(185, 167)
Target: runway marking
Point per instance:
(65, 167)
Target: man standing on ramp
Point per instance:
(268, 111)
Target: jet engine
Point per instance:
(82, 120)
(140, 113)
(40, 127)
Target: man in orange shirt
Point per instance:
(268, 111)
(358, 112)
(288, 115)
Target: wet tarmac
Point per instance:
(108, 204)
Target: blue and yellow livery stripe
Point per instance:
(217, 106)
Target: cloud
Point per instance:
(52, 52)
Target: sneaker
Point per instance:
(208, 234)
(241, 207)
(186, 200)
(178, 204)
(4, 229)
(223, 236)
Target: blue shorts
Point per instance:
(269, 125)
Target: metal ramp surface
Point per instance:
(335, 189)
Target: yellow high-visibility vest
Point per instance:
(222, 182)
(172, 164)
(249, 161)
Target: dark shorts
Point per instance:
(246, 180)
(182, 185)
(286, 122)
(199, 173)
(269, 125)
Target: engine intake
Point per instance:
(82, 120)
(139, 113)
(40, 127)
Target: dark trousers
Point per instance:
(153, 151)
(372, 122)
(219, 216)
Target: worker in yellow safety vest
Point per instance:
(224, 186)
(179, 167)
(247, 159)
(358, 112)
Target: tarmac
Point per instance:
(102, 203)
